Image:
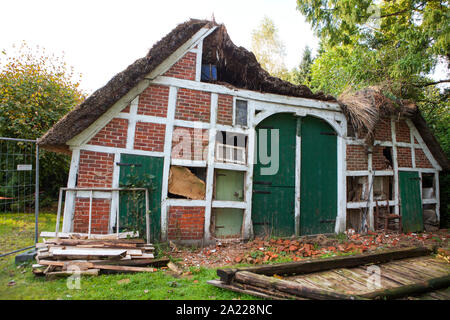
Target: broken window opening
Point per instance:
(357, 189)
(387, 153)
(430, 218)
(231, 147)
(428, 186)
(241, 113)
(385, 218)
(383, 188)
(187, 183)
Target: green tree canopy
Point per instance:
(402, 39)
(36, 90)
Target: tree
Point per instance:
(269, 49)
(302, 74)
(36, 90)
(404, 38)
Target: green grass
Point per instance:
(17, 231)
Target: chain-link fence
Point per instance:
(19, 194)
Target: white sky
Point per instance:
(101, 38)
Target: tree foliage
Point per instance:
(269, 49)
(36, 90)
(302, 74)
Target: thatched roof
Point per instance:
(236, 66)
(365, 108)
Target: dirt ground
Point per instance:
(275, 250)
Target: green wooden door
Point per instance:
(273, 207)
(140, 168)
(411, 202)
(229, 185)
(228, 222)
(318, 183)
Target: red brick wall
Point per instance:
(421, 159)
(379, 161)
(225, 109)
(184, 68)
(114, 134)
(404, 157)
(95, 169)
(193, 105)
(100, 215)
(383, 130)
(190, 143)
(149, 136)
(356, 157)
(126, 110)
(153, 101)
(186, 223)
(402, 132)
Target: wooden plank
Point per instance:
(415, 266)
(59, 274)
(310, 266)
(257, 292)
(161, 262)
(123, 269)
(89, 254)
(288, 287)
(110, 236)
(412, 289)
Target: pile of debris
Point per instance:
(75, 254)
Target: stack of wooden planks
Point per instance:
(68, 255)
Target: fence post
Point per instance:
(36, 197)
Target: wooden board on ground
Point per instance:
(389, 275)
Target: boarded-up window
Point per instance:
(241, 113)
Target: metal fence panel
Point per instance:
(19, 182)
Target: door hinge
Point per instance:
(260, 223)
(328, 221)
(262, 192)
(269, 183)
(129, 164)
(328, 133)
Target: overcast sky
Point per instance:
(101, 38)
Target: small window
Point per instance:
(241, 113)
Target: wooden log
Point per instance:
(251, 291)
(316, 265)
(289, 287)
(409, 290)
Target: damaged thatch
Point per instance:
(239, 67)
(364, 110)
(101, 100)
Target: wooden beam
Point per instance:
(316, 265)
(289, 287)
(409, 290)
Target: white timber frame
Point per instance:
(371, 173)
(259, 106)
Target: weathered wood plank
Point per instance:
(310, 266)
(289, 287)
(412, 289)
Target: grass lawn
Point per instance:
(17, 231)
